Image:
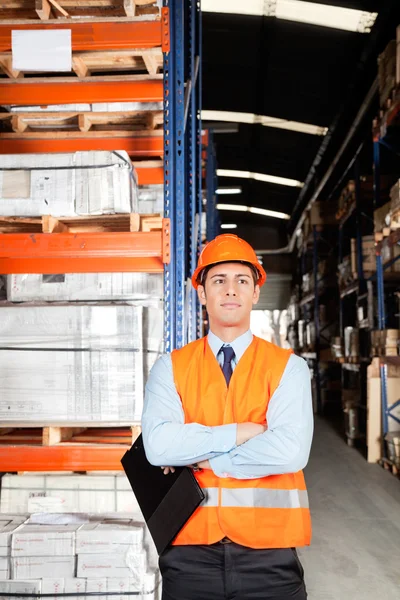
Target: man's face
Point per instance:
(229, 294)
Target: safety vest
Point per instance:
(268, 512)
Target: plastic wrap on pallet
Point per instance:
(61, 185)
(9, 524)
(66, 493)
(153, 337)
(71, 363)
(84, 287)
(151, 199)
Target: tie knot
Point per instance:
(229, 353)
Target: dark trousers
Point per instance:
(231, 572)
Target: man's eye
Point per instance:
(219, 281)
(242, 280)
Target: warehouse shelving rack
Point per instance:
(312, 247)
(387, 134)
(173, 250)
(356, 292)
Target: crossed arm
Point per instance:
(241, 451)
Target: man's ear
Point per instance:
(201, 292)
(256, 295)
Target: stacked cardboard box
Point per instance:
(73, 363)
(80, 183)
(82, 287)
(80, 554)
(368, 254)
(390, 252)
(382, 217)
(65, 493)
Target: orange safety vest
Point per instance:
(268, 512)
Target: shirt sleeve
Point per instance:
(285, 446)
(168, 440)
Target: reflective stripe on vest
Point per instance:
(256, 497)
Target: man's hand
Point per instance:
(168, 470)
(246, 431)
(204, 464)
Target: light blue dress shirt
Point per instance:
(283, 448)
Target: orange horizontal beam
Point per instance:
(61, 458)
(149, 175)
(137, 147)
(84, 252)
(93, 36)
(75, 91)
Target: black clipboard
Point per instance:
(166, 501)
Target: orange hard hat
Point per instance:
(227, 248)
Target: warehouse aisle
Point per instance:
(355, 553)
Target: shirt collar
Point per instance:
(239, 345)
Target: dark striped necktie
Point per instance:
(229, 354)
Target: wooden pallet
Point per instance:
(113, 223)
(88, 64)
(54, 435)
(84, 122)
(390, 466)
(66, 9)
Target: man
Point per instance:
(238, 410)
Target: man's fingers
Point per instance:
(168, 470)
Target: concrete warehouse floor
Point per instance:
(355, 506)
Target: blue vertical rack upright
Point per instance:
(182, 165)
(393, 144)
(213, 226)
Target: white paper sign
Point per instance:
(42, 50)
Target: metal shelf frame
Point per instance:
(213, 221)
(387, 409)
(175, 249)
(182, 183)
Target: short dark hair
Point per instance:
(254, 272)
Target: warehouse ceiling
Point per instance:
(292, 71)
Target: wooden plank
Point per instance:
(6, 67)
(129, 7)
(84, 123)
(51, 436)
(134, 222)
(152, 62)
(43, 9)
(52, 225)
(79, 67)
(59, 8)
(17, 124)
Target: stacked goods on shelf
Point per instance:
(83, 8)
(81, 287)
(385, 342)
(74, 363)
(80, 554)
(387, 72)
(62, 185)
(382, 218)
(374, 404)
(351, 344)
(345, 273)
(66, 493)
(390, 251)
(368, 255)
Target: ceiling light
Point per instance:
(238, 207)
(227, 191)
(251, 119)
(268, 213)
(229, 226)
(324, 15)
(259, 177)
(254, 210)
